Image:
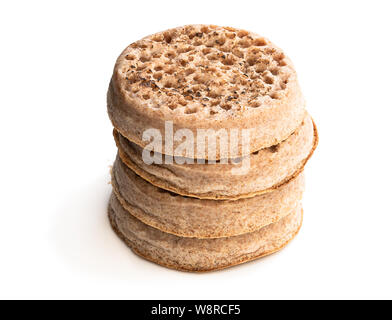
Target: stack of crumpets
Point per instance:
(213, 137)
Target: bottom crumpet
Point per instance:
(192, 254)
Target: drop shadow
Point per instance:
(84, 239)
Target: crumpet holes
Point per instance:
(189, 71)
(242, 33)
(268, 79)
(221, 41)
(225, 106)
(206, 51)
(205, 29)
(245, 43)
(158, 75)
(168, 38)
(260, 68)
(191, 110)
(170, 55)
(252, 60)
(169, 83)
(130, 57)
(255, 104)
(170, 70)
(183, 102)
(279, 56)
(260, 42)
(228, 60)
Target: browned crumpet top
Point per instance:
(204, 69)
(205, 77)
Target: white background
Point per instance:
(56, 149)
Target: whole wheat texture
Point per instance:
(189, 217)
(192, 254)
(268, 168)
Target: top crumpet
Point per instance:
(205, 77)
